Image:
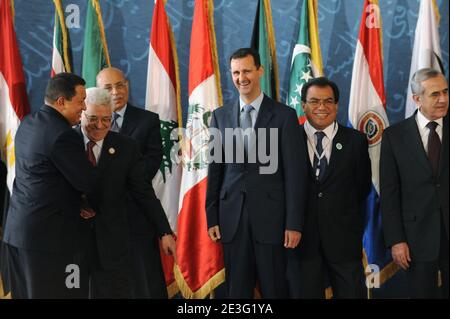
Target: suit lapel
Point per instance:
(129, 121)
(264, 115)
(107, 153)
(412, 139)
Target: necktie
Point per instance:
(115, 125)
(246, 122)
(434, 147)
(90, 153)
(321, 165)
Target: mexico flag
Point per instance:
(60, 54)
(200, 261)
(13, 96)
(367, 113)
(163, 98)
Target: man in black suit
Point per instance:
(255, 207)
(142, 126)
(42, 229)
(414, 187)
(339, 182)
(121, 169)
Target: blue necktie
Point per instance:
(322, 165)
(246, 122)
(114, 125)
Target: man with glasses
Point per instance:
(339, 182)
(122, 170)
(144, 127)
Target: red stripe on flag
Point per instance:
(369, 37)
(196, 251)
(11, 63)
(200, 51)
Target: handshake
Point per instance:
(86, 211)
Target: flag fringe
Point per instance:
(97, 8)
(215, 59)
(436, 12)
(204, 291)
(12, 10)
(272, 46)
(314, 41)
(172, 289)
(62, 23)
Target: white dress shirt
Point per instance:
(424, 131)
(327, 141)
(97, 149)
(256, 103)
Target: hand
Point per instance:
(214, 233)
(169, 246)
(87, 213)
(291, 238)
(400, 254)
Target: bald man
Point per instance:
(143, 126)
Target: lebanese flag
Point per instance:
(60, 52)
(367, 113)
(13, 95)
(200, 266)
(163, 98)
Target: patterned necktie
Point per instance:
(434, 147)
(115, 125)
(90, 153)
(246, 122)
(321, 165)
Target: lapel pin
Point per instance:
(339, 146)
(111, 150)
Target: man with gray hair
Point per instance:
(414, 187)
(121, 170)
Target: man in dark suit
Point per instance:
(339, 182)
(253, 206)
(42, 229)
(143, 126)
(121, 169)
(414, 187)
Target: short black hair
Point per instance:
(320, 82)
(62, 84)
(244, 52)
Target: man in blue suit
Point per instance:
(256, 207)
(42, 229)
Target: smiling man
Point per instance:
(339, 182)
(256, 216)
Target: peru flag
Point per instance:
(200, 266)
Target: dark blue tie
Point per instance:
(322, 165)
(114, 125)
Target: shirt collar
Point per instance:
(122, 111)
(86, 139)
(256, 103)
(423, 121)
(310, 130)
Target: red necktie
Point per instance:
(90, 153)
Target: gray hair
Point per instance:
(98, 96)
(420, 76)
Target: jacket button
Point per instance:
(320, 195)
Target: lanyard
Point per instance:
(312, 142)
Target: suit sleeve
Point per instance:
(364, 169)
(144, 195)
(215, 176)
(69, 157)
(390, 195)
(294, 160)
(153, 153)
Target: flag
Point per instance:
(263, 41)
(367, 113)
(200, 266)
(163, 98)
(13, 99)
(427, 49)
(61, 47)
(306, 57)
(95, 52)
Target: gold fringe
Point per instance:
(313, 24)
(60, 13)
(102, 30)
(436, 13)
(204, 291)
(172, 289)
(12, 11)
(328, 293)
(272, 47)
(212, 40)
(2, 291)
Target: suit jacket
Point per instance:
(52, 172)
(412, 200)
(275, 202)
(144, 127)
(122, 169)
(335, 214)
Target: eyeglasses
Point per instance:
(94, 119)
(326, 103)
(118, 86)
